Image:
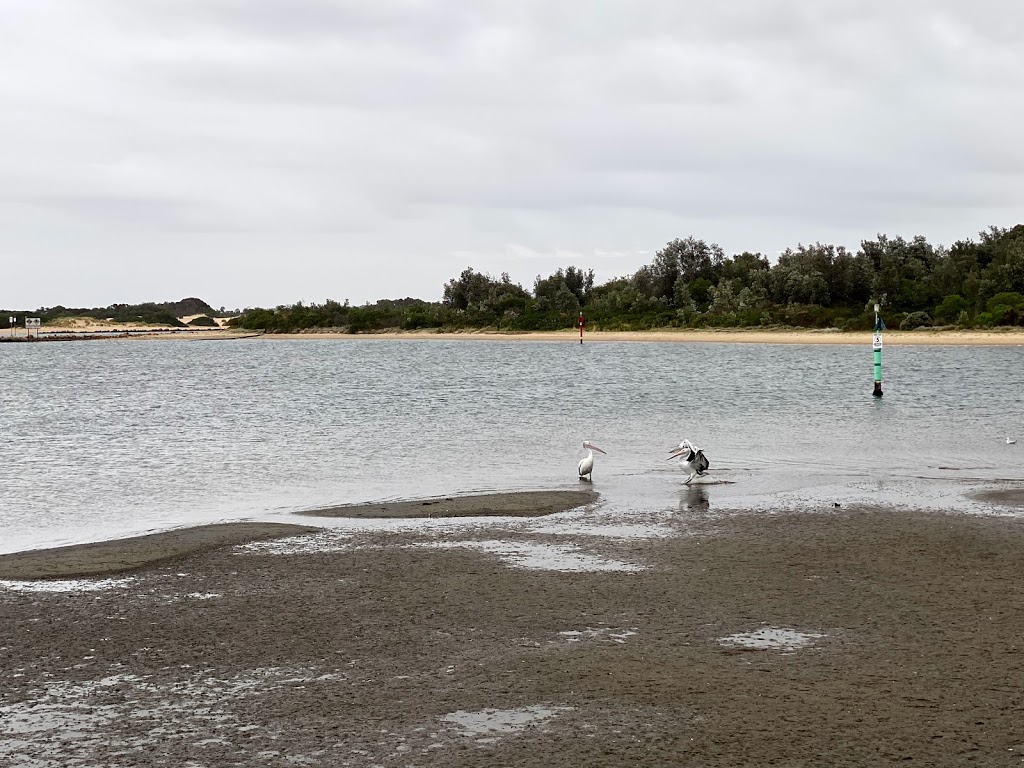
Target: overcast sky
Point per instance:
(258, 152)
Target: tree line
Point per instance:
(692, 284)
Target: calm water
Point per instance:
(108, 439)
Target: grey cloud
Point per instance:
(360, 136)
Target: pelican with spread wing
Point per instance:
(692, 460)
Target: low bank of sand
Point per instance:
(118, 556)
(136, 333)
(423, 647)
(515, 504)
(753, 336)
(83, 327)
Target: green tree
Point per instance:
(686, 260)
(547, 290)
(950, 309)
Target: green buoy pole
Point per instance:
(876, 343)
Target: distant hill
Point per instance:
(164, 313)
(189, 306)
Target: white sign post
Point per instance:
(32, 324)
(13, 321)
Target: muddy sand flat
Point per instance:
(854, 638)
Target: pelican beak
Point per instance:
(675, 453)
(595, 448)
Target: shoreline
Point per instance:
(112, 557)
(1013, 337)
(122, 334)
(1001, 337)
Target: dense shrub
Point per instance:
(915, 320)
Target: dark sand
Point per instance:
(124, 555)
(356, 657)
(1007, 497)
(518, 504)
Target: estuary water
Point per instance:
(107, 439)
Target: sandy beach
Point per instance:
(852, 637)
(96, 325)
(1001, 336)
(92, 328)
(751, 336)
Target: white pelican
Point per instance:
(692, 457)
(587, 462)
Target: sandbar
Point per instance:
(105, 558)
(514, 504)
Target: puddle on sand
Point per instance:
(66, 585)
(495, 721)
(771, 639)
(603, 633)
(621, 532)
(543, 557)
(77, 723)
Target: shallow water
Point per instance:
(110, 439)
(772, 638)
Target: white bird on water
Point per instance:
(1010, 441)
(587, 462)
(693, 459)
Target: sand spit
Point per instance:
(514, 504)
(121, 555)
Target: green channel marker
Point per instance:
(876, 343)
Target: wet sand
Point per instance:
(400, 649)
(125, 555)
(1007, 497)
(518, 504)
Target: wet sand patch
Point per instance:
(1004, 497)
(104, 558)
(514, 504)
